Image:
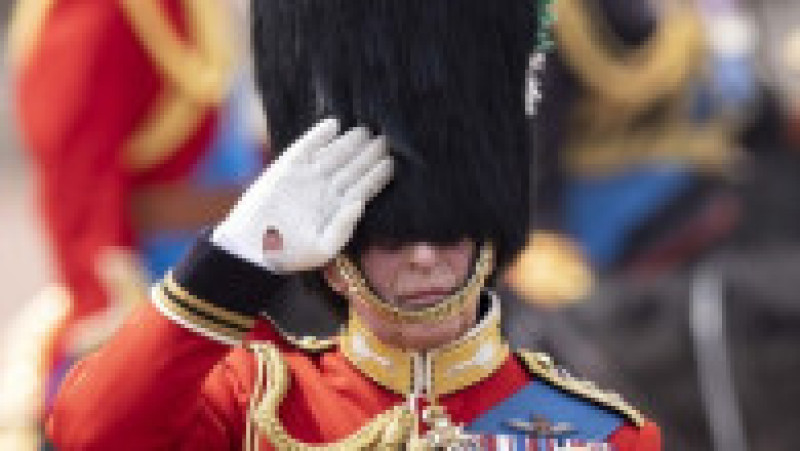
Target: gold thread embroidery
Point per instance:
(396, 428)
(395, 374)
(388, 430)
(239, 320)
(196, 320)
(469, 363)
(453, 367)
(541, 366)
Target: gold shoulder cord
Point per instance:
(197, 68)
(649, 73)
(196, 74)
(541, 366)
(389, 430)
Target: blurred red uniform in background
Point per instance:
(117, 103)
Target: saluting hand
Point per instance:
(303, 209)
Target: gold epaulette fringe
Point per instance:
(542, 367)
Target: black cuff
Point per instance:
(215, 293)
(225, 280)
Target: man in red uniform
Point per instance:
(407, 228)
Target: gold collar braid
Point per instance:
(455, 302)
(436, 372)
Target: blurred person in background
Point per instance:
(626, 134)
(778, 55)
(708, 343)
(132, 115)
(638, 167)
(732, 87)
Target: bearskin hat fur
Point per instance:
(442, 79)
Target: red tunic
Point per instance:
(158, 385)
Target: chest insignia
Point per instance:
(540, 426)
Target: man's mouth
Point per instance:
(422, 298)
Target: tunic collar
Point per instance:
(433, 373)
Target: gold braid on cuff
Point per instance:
(456, 302)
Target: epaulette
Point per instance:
(542, 367)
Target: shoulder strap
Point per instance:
(542, 367)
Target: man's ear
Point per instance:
(334, 279)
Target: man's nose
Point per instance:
(422, 255)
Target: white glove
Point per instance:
(308, 202)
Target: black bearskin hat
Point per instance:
(442, 79)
